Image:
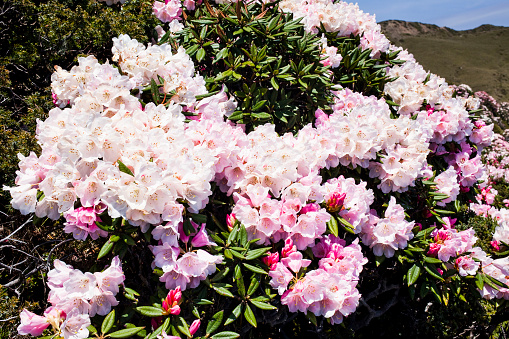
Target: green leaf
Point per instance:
(237, 254)
(240, 281)
(444, 211)
(223, 291)
(253, 254)
(348, 227)
(131, 291)
(274, 83)
(262, 305)
(261, 116)
(108, 322)
(214, 323)
(220, 275)
(226, 334)
(198, 218)
(457, 205)
(155, 91)
(204, 302)
(432, 260)
(250, 317)
(200, 54)
(126, 333)
(90, 328)
(412, 274)
(105, 249)
(234, 315)
(254, 269)
(188, 227)
(332, 226)
(253, 285)
(233, 235)
(479, 281)
(183, 327)
(311, 317)
(123, 168)
(425, 232)
(150, 311)
(432, 270)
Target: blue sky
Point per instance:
(456, 14)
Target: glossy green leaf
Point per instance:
(234, 315)
(223, 291)
(108, 322)
(214, 323)
(105, 249)
(254, 269)
(253, 254)
(240, 281)
(255, 282)
(332, 226)
(183, 327)
(262, 305)
(412, 274)
(225, 335)
(250, 317)
(126, 333)
(150, 311)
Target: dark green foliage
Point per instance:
(256, 54)
(254, 57)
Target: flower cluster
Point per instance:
(330, 290)
(75, 297)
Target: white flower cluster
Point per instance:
(144, 64)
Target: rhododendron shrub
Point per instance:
(265, 156)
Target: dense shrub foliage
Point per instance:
(260, 169)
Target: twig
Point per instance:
(19, 228)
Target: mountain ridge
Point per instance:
(477, 57)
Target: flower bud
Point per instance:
(230, 221)
(194, 326)
(335, 202)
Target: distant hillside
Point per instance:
(478, 57)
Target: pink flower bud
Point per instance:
(230, 221)
(496, 245)
(335, 202)
(288, 249)
(271, 260)
(433, 249)
(194, 326)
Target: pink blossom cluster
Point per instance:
(184, 266)
(81, 222)
(496, 158)
(386, 235)
(361, 132)
(75, 297)
(501, 216)
(496, 268)
(411, 89)
(330, 54)
(449, 242)
(330, 290)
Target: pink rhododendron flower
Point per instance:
(32, 323)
